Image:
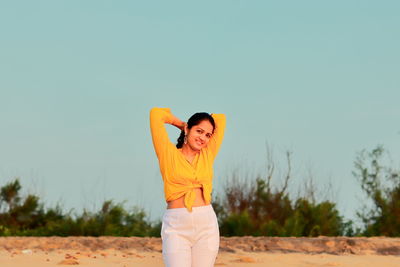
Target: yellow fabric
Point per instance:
(181, 177)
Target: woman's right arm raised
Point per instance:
(158, 118)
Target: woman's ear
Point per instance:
(186, 129)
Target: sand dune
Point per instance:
(234, 251)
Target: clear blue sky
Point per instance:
(78, 78)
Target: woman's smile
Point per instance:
(199, 142)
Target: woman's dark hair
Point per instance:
(195, 120)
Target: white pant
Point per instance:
(190, 239)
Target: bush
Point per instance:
(381, 184)
(253, 207)
(27, 217)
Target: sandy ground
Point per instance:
(235, 252)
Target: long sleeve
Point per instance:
(218, 135)
(158, 118)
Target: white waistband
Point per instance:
(198, 209)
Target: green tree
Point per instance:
(27, 216)
(18, 213)
(254, 207)
(381, 184)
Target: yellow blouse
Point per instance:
(181, 177)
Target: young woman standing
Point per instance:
(190, 234)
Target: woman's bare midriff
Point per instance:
(180, 203)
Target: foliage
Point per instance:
(27, 216)
(269, 213)
(254, 207)
(381, 184)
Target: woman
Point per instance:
(190, 235)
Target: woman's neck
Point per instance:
(188, 151)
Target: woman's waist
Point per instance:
(180, 202)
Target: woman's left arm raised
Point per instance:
(218, 135)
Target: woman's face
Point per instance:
(199, 135)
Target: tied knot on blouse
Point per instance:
(190, 194)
